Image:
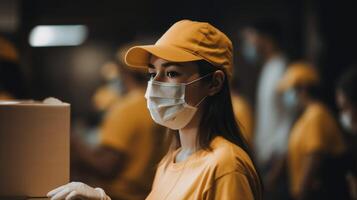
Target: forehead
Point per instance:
(156, 61)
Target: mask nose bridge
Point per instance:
(182, 86)
(155, 88)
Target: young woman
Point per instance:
(190, 67)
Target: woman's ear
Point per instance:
(216, 82)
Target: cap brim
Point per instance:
(139, 56)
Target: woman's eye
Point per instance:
(172, 74)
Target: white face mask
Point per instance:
(249, 52)
(167, 105)
(290, 99)
(346, 121)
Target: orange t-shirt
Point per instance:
(315, 131)
(225, 172)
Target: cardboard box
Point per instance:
(34, 147)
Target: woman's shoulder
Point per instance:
(227, 157)
(319, 113)
(318, 109)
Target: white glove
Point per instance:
(77, 190)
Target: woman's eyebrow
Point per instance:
(166, 64)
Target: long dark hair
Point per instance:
(218, 113)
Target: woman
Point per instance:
(190, 67)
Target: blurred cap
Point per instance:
(121, 54)
(7, 51)
(187, 41)
(298, 74)
(139, 74)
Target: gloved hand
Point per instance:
(77, 190)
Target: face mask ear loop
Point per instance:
(199, 78)
(198, 104)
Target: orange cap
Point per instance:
(187, 41)
(297, 74)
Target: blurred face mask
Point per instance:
(249, 52)
(290, 99)
(167, 105)
(117, 85)
(346, 121)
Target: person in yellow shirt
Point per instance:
(130, 144)
(315, 140)
(188, 93)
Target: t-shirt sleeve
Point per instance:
(118, 129)
(324, 135)
(232, 186)
(315, 136)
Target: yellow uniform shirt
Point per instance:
(128, 128)
(315, 131)
(224, 173)
(244, 115)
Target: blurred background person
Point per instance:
(107, 94)
(111, 90)
(346, 98)
(262, 44)
(130, 144)
(11, 77)
(315, 142)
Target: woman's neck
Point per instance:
(188, 139)
(189, 135)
